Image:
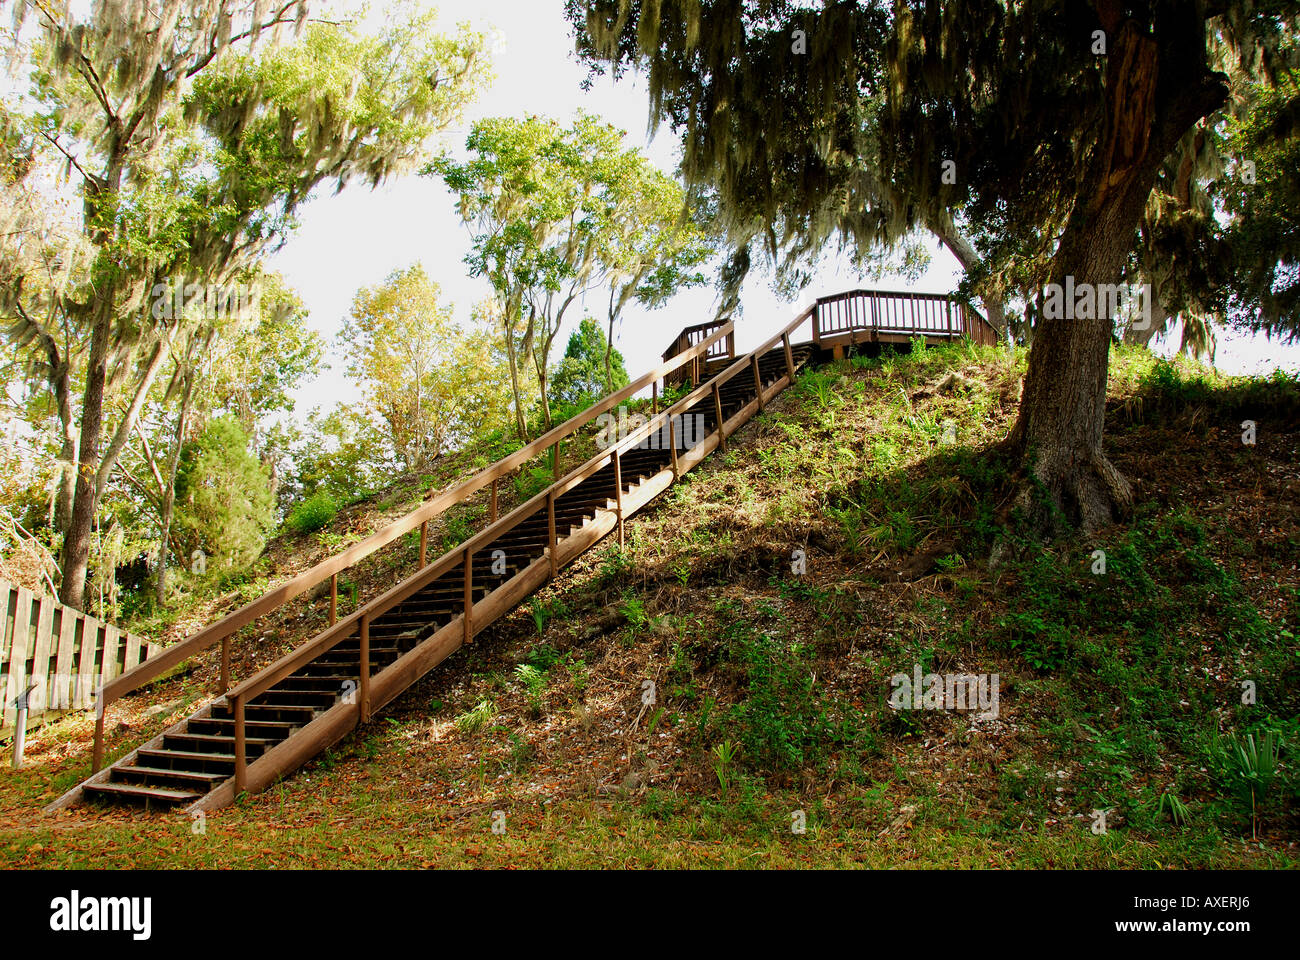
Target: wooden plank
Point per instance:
(65, 659)
(108, 668)
(132, 657)
(8, 606)
(44, 650)
(84, 630)
(19, 650)
(7, 600)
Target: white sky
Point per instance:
(356, 238)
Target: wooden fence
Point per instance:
(65, 653)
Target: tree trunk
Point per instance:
(1060, 426)
(1159, 320)
(76, 541)
(513, 361)
(169, 491)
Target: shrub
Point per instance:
(223, 497)
(312, 514)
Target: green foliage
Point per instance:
(724, 754)
(785, 721)
(534, 681)
(579, 379)
(312, 514)
(543, 611)
(531, 481)
(476, 718)
(1248, 768)
(433, 382)
(560, 211)
(223, 498)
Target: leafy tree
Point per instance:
(1262, 200)
(241, 366)
(589, 369)
(431, 380)
(1041, 125)
(559, 212)
(223, 496)
(343, 454)
(190, 145)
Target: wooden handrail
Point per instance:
(273, 599)
(543, 500)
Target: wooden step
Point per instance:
(142, 793)
(197, 776)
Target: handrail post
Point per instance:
(654, 398)
(555, 460)
(241, 745)
(424, 544)
(334, 599)
(97, 758)
(363, 647)
(468, 616)
(672, 441)
(717, 410)
(225, 664)
(550, 531)
(494, 502)
(758, 379)
(618, 493)
(789, 356)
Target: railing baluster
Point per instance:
(494, 502)
(550, 531)
(363, 646)
(758, 379)
(97, 756)
(717, 411)
(334, 599)
(618, 493)
(424, 544)
(241, 746)
(225, 665)
(469, 596)
(672, 441)
(789, 357)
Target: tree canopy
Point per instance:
(1040, 127)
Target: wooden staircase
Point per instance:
(263, 728)
(274, 721)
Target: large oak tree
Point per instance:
(1039, 123)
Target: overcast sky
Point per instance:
(358, 237)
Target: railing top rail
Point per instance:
(902, 294)
(273, 599)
